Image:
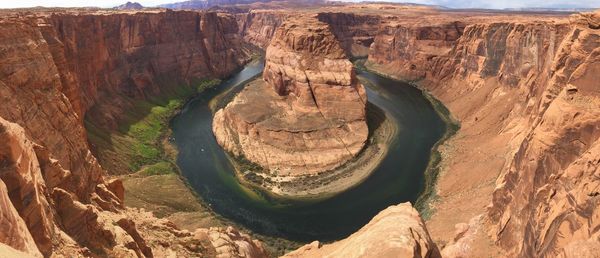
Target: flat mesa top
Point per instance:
(259, 104)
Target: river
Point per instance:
(399, 178)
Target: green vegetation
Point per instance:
(429, 194)
(139, 143)
(146, 133)
(160, 168)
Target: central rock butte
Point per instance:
(308, 115)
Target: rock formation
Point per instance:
(522, 87)
(523, 168)
(547, 202)
(397, 231)
(308, 115)
(55, 70)
(8, 251)
(406, 50)
(130, 6)
(132, 55)
(204, 4)
(258, 27)
(354, 31)
(524, 94)
(14, 230)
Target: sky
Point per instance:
(498, 4)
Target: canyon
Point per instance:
(60, 204)
(519, 179)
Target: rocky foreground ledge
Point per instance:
(309, 113)
(397, 231)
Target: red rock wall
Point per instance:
(54, 71)
(407, 51)
(31, 96)
(547, 201)
(528, 84)
(525, 83)
(142, 54)
(354, 32)
(397, 231)
(533, 84)
(259, 27)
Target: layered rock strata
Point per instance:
(406, 51)
(524, 92)
(308, 115)
(354, 31)
(547, 201)
(521, 86)
(56, 69)
(258, 27)
(138, 55)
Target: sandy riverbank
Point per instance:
(458, 191)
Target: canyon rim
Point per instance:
(88, 168)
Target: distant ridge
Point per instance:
(130, 6)
(205, 4)
(543, 9)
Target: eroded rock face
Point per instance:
(22, 175)
(106, 56)
(547, 202)
(524, 89)
(258, 27)
(407, 50)
(13, 230)
(397, 231)
(55, 70)
(229, 242)
(8, 251)
(37, 225)
(524, 93)
(308, 115)
(355, 32)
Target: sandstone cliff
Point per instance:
(546, 203)
(258, 27)
(55, 70)
(521, 86)
(355, 32)
(308, 115)
(140, 55)
(397, 231)
(524, 93)
(407, 50)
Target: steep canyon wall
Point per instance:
(56, 69)
(525, 96)
(143, 54)
(523, 88)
